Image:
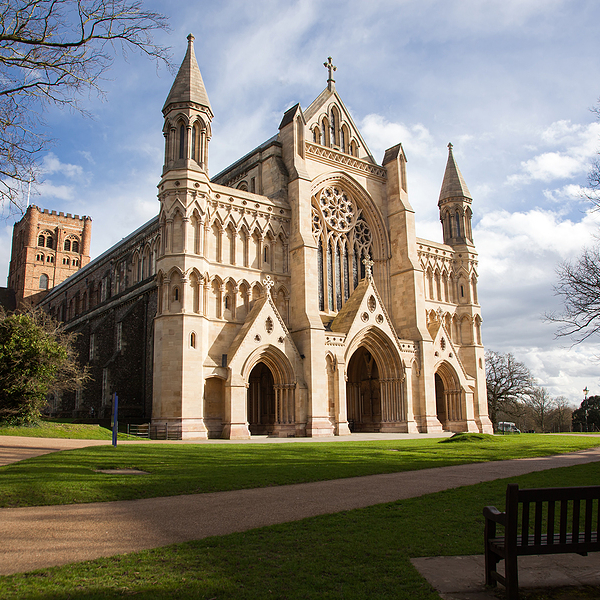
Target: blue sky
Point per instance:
(510, 83)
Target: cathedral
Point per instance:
(286, 296)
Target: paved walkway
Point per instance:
(37, 537)
(461, 577)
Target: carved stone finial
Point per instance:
(268, 283)
(368, 266)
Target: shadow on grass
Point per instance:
(358, 554)
(72, 478)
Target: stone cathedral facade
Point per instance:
(288, 295)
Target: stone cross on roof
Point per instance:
(331, 68)
(368, 266)
(268, 283)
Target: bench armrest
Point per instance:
(493, 514)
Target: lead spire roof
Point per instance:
(188, 85)
(454, 185)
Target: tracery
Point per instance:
(343, 239)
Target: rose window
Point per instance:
(338, 210)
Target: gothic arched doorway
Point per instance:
(363, 392)
(261, 400)
(440, 401)
(448, 399)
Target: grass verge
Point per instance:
(357, 554)
(70, 477)
(74, 431)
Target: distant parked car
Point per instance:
(507, 427)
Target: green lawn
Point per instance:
(358, 554)
(69, 477)
(49, 429)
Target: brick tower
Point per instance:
(47, 247)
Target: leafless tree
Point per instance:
(541, 405)
(508, 381)
(53, 52)
(561, 416)
(579, 286)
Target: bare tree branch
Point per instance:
(579, 286)
(52, 52)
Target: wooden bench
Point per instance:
(539, 521)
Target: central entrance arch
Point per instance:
(261, 400)
(375, 394)
(363, 392)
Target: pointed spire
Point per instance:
(188, 85)
(454, 185)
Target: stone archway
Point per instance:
(375, 394)
(440, 401)
(449, 401)
(271, 393)
(214, 406)
(261, 400)
(363, 392)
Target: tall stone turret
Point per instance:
(455, 205)
(183, 192)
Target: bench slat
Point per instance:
(587, 528)
(537, 529)
(550, 528)
(525, 525)
(564, 507)
(576, 517)
(551, 544)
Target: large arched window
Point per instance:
(43, 281)
(343, 241)
(67, 246)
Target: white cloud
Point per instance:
(580, 144)
(383, 134)
(88, 156)
(49, 192)
(567, 193)
(563, 370)
(51, 165)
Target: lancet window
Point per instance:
(343, 240)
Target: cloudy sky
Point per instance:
(509, 82)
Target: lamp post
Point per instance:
(585, 391)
